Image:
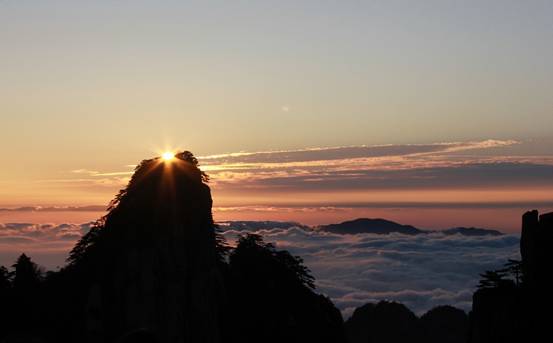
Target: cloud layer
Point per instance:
(48, 244)
(420, 271)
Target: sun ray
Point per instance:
(167, 156)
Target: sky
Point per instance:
(432, 113)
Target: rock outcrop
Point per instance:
(152, 259)
(519, 312)
(390, 322)
(444, 324)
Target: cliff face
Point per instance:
(155, 263)
(519, 313)
(535, 248)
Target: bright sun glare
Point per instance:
(167, 156)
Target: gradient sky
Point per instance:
(458, 92)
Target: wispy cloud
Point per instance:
(363, 175)
(348, 152)
(380, 167)
(97, 173)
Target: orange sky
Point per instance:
(364, 106)
(486, 183)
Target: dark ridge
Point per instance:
(383, 227)
(366, 225)
(445, 324)
(383, 322)
(392, 322)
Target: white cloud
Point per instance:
(421, 271)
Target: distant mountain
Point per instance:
(366, 225)
(360, 225)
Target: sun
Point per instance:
(167, 156)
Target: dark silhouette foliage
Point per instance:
(493, 279)
(26, 275)
(513, 269)
(509, 276)
(22, 297)
(272, 298)
(5, 283)
(269, 260)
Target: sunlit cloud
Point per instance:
(487, 174)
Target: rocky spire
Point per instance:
(153, 257)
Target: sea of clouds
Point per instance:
(421, 271)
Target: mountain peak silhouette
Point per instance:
(151, 261)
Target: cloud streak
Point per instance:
(439, 165)
(500, 174)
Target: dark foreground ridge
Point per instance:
(392, 322)
(154, 269)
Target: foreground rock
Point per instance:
(517, 308)
(391, 322)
